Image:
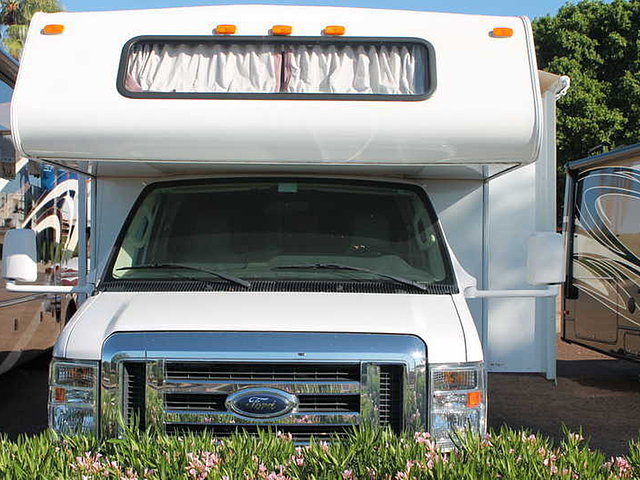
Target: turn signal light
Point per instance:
(60, 395)
(226, 29)
(334, 30)
(474, 399)
(502, 32)
(53, 29)
(281, 30)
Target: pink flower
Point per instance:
(347, 474)
(89, 464)
(620, 466)
(199, 466)
(421, 437)
(576, 437)
(287, 437)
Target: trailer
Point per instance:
(302, 217)
(602, 224)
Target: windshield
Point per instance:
(260, 229)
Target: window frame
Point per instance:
(430, 70)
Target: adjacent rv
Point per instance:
(303, 218)
(42, 198)
(602, 289)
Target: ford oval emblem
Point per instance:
(261, 403)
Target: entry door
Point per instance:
(595, 271)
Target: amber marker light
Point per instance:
(334, 30)
(474, 399)
(281, 30)
(60, 394)
(226, 29)
(52, 29)
(502, 32)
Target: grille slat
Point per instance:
(300, 433)
(263, 372)
(308, 403)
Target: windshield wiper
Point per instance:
(338, 266)
(223, 276)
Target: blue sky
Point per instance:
(530, 8)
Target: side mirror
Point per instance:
(545, 258)
(19, 257)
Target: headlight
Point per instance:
(458, 401)
(73, 396)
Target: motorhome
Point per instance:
(603, 265)
(303, 218)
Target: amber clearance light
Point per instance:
(502, 32)
(334, 30)
(281, 30)
(226, 29)
(52, 29)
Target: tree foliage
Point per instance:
(15, 15)
(597, 44)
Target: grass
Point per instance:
(368, 454)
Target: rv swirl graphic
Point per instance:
(606, 264)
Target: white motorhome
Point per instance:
(302, 217)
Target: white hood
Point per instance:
(433, 318)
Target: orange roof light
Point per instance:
(281, 30)
(52, 29)
(226, 29)
(334, 30)
(502, 32)
(474, 399)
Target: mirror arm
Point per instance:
(472, 292)
(12, 287)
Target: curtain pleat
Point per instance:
(372, 69)
(203, 68)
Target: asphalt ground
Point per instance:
(595, 392)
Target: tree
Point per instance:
(15, 15)
(597, 44)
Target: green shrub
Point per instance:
(366, 454)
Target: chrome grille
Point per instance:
(180, 381)
(328, 393)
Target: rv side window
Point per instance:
(288, 68)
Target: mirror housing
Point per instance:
(545, 258)
(19, 255)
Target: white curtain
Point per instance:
(204, 68)
(373, 69)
